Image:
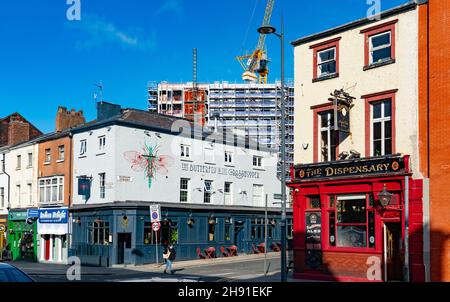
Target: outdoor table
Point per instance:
(232, 250)
(261, 247)
(210, 252)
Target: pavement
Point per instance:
(245, 268)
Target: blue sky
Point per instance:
(47, 60)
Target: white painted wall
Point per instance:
(166, 187)
(23, 176)
(403, 75)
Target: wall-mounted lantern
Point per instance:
(385, 197)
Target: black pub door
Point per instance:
(123, 242)
(393, 248)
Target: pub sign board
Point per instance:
(348, 168)
(342, 117)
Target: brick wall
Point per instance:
(434, 122)
(67, 119)
(15, 129)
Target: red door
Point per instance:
(47, 248)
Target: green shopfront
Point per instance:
(22, 231)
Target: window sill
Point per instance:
(230, 165)
(186, 159)
(47, 163)
(259, 169)
(18, 169)
(376, 65)
(82, 156)
(29, 167)
(324, 78)
(100, 154)
(60, 161)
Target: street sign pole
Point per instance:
(265, 238)
(156, 235)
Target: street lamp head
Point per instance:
(267, 30)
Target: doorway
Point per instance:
(393, 249)
(47, 247)
(239, 235)
(123, 243)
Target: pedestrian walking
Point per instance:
(169, 255)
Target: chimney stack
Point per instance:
(67, 119)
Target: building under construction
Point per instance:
(249, 109)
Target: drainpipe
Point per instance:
(9, 181)
(406, 264)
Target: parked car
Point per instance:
(9, 273)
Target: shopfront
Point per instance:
(53, 232)
(3, 231)
(123, 234)
(354, 220)
(22, 229)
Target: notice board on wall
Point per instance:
(313, 240)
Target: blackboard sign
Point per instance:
(313, 240)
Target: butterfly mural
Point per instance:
(149, 161)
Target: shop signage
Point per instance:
(55, 216)
(239, 174)
(32, 213)
(360, 167)
(17, 216)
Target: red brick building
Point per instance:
(15, 129)
(434, 123)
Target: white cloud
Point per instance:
(101, 32)
(170, 6)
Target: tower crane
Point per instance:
(256, 63)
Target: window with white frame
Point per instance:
(30, 194)
(381, 128)
(102, 143)
(51, 189)
(380, 47)
(48, 156)
(83, 147)
(61, 153)
(207, 191)
(2, 197)
(209, 155)
(228, 157)
(18, 194)
(326, 62)
(327, 139)
(102, 178)
(257, 161)
(19, 162)
(258, 195)
(184, 189)
(185, 151)
(228, 193)
(30, 160)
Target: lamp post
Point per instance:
(267, 30)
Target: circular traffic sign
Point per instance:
(155, 215)
(156, 226)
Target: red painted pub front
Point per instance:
(344, 232)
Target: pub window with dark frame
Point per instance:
(98, 233)
(351, 222)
